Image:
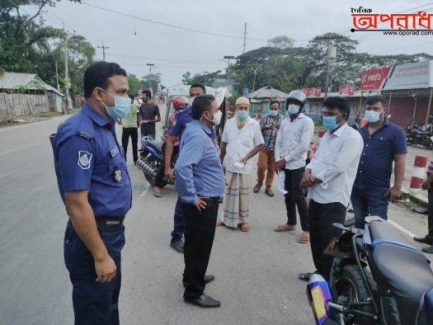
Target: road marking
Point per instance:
(402, 229)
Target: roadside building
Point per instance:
(261, 100)
(23, 94)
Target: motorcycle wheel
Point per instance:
(152, 161)
(349, 288)
(409, 140)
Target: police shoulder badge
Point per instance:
(84, 159)
(117, 175)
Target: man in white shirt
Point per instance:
(242, 139)
(329, 178)
(293, 141)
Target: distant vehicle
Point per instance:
(417, 134)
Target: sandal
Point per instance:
(304, 238)
(285, 227)
(244, 227)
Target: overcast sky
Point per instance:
(133, 43)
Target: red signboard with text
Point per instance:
(373, 79)
(348, 90)
(312, 91)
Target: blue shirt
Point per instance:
(375, 165)
(88, 157)
(198, 168)
(183, 117)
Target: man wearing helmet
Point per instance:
(179, 103)
(293, 141)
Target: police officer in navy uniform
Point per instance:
(95, 187)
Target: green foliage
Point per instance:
(134, 84)
(30, 46)
(282, 66)
(205, 78)
(150, 81)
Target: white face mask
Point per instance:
(217, 118)
(293, 109)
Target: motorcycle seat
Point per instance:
(401, 265)
(156, 144)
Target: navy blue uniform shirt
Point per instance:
(183, 117)
(375, 165)
(88, 157)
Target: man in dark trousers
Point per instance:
(329, 178)
(96, 189)
(384, 145)
(183, 117)
(149, 115)
(200, 184)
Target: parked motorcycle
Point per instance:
(420, 134)
(377, 277)
(151, 162)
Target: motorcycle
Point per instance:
(377, 277)
(419, 134)
(152, 162)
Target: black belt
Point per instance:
(215, 198)
(109, 221)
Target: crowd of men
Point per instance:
(348, 166)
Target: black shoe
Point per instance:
(177, 245)
(207, 279)
(203, 301)
(424, 240)
(428, 250)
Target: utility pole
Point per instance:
(228, 58)
(103, 47)
(245, 39)
(150, 65)
(57, 76)
(67, 82)
(331, 54)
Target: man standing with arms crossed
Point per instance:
(293, 141)
(200, 184)
(95, 187)
(329, 178)
(183, 117)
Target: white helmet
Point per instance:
(297, 95)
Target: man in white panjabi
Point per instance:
(241, 140)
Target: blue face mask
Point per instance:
(273, 113)
(241, 115)
(121, 107)
(329, 123)
(372, 116)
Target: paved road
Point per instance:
(256, 272)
